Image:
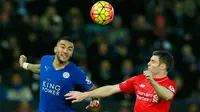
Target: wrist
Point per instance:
(153, 82)
(86, 95)
(25, 65)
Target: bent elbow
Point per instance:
(169, 97)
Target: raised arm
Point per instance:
(35, 68)
(97, 93)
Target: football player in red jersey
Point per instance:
(153, 89)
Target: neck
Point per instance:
(59, 65)
(160, 75)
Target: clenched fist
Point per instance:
(149, 76)
(22, 59)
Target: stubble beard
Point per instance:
(59, 59)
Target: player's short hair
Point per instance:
(68, 38)
(166, 58)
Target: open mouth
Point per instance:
(64, 56)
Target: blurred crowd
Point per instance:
(110, 54)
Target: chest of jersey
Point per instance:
(55, 82)
(145, 92)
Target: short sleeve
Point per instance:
(127, 85)
(45, 60)
(42, 59)
(172, 87)
(82, 80)
(42, 63)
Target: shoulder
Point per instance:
(47, 57)
(171, 85)
(76, 69)
(138, 77)
(171, 82)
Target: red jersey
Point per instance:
(146, 98)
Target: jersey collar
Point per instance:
(160, 79)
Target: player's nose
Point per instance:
(65, 51)
(148, 63)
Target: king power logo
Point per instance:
(51, 88)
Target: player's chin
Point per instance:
(64, 59)
(150, 70)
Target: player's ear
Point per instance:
(163, 66)
(55, 49)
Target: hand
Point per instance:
(93, 104)
(75, 96)
(149, 76)
(22, 59)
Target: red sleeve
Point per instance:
(172, 87)
(128, 85)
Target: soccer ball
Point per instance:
(102, 12)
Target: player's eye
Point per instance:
(70, 49)
(152, 61)
(62, 47)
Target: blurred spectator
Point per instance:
(104, 76)
(124, 109)
(141, 51)
(124, 106)
(5, 25)
(193, 108)
(80, 53)
(32, 44)
(22, 7)
(160, 30)
(73, 25)
(162, 45)
(3, 90)
(118, 32)
(195, 95)
(140, 24)
(190, 10)
(102, 53)
(187, 54)
(52, 22)
(109, 53)
(179, 11)
(34, 24)
(181, 90)
(7, 7)
(127, 69)
(24, 106)
(17, 91)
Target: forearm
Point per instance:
(93, 88)
(35, 68)
(102, 92)
(163, 92)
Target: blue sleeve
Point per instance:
(82, 79)
(43, 58)
(42, 61)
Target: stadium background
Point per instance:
(110, 54)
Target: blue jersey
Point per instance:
(54, 84)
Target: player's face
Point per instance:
(64, 50)
(154, 64)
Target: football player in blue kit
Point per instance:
(59, 76)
